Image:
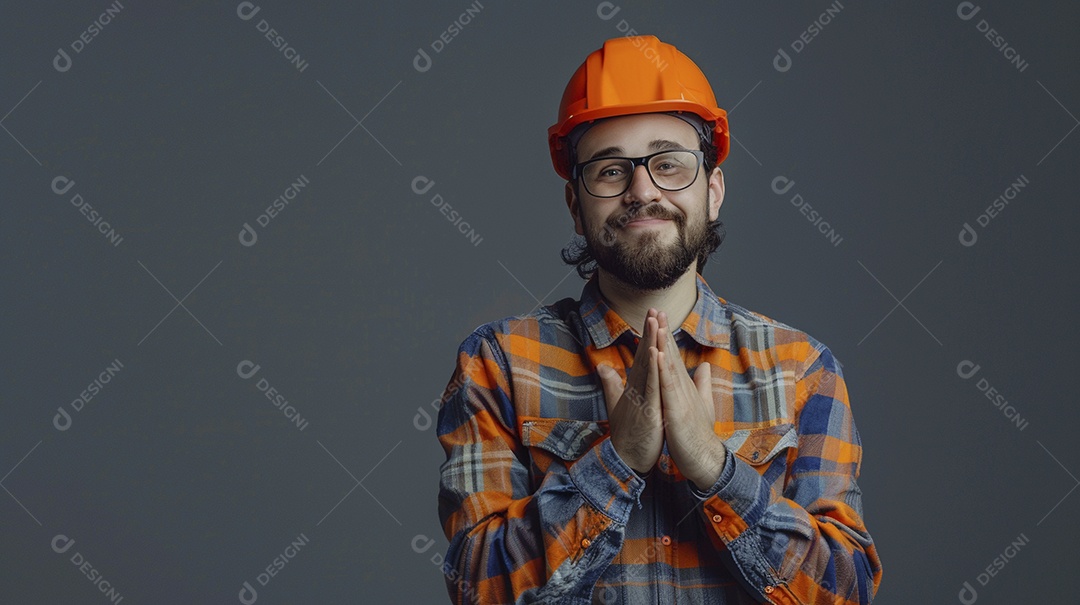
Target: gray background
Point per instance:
(179, 123)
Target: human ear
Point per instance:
(716, 188)
(574, 205)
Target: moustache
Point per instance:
(651, 211)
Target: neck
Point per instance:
(633, 304)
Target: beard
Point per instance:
(644, 261)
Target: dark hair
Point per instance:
(577, 253)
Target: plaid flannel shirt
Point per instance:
(539, 508)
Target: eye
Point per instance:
(610, 170)
(672, 163)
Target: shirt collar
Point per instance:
(707, 323)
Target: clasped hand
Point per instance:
(660, 401)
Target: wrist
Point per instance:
(624, 454)
(629, 456)
(712, 465)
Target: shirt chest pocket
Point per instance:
(562, 439)
(760, 446)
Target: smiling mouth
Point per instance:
(647, 221)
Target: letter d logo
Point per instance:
(421, 543)
(61, 543)
(422, 420)
(62, 62)
(788, 184)
(782, 62)
(967, 236)
(248, 595)
(422, 62)
(61, 185)
(247, 236)
(246, 10)
(968, 596)
(62, 420)
(246, 369)
(966, 10)
(966, 369)
(607, 10)
(422, 184)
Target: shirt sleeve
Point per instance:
(809, 544)
(508, 542)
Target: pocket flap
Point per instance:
(758, 446)
(566, 438)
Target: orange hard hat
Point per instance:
(629, 75)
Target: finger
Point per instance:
(702, 375)
(613, 387)
(652, 388)
(649, 333)
(674, 358)
(641, 356)
(672, 345)
(637, 373)
(668, 386)
(703, 380)
(651, 325)
(662, 326)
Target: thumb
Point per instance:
(703, 382)
(613, 386)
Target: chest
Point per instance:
(561, 410)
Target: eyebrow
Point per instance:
(655, 145)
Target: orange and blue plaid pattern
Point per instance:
(539, 508)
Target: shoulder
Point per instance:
(551, 324)
(759, 332)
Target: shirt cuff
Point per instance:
(607, 482)
(738, 500)
(725, 477)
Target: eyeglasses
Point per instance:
(671, 170)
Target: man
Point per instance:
(650, 442)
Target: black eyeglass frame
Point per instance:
(635, 162)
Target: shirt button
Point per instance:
(585, 543)
(717, 518)
(665, 540)
(768, 589)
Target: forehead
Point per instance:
(633, 134)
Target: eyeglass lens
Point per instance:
(670, 170)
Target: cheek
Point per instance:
(695, 208)
(592, 218)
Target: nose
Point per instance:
(642, 188)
